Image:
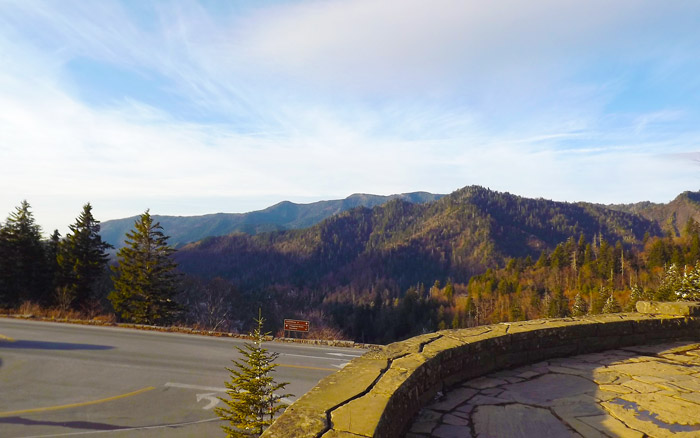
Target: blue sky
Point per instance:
(189, 107)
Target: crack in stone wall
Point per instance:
(361, 394)
(423, 344)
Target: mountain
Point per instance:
(672, 217)
(471, 257)
(282, 216)
(399, 243)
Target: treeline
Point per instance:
(579, 276)
(76, 276)
(67, 272)
(71, 275)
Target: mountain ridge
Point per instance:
(369, 271)
(456, 236)
(281, 216)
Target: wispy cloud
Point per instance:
(230, 108)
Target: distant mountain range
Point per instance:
(282, 216)
(399, 243)
(350, 263)
(671, 217)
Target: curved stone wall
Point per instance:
(378, 394)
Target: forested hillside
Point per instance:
(402, 243)
(673, 216)
(362, 260)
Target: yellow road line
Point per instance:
(6, 338)
(307, 368)
(75, 405)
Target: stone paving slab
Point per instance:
(647, 391)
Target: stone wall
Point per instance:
(378, 394)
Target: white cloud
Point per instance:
(322, 99)
(408, 43)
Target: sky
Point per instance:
(190, 108)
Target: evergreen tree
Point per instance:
(449, 291)
(253, 400)
(555, 305)
(611, 305)
(145, 278)
(53, 247)
(670, 284)
(689, 288)
(548, 308)
(23, 266)
(580, 306)
(558, 259)
(637, 294)
(82, 257)
(599, 300)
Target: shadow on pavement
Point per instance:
(70, 424)
(41, 345)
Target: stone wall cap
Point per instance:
(679, 308)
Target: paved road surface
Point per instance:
(70, 380)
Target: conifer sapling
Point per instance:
(253, 394)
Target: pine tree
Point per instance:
(611, 305)
(599, 300)
(52, 250)
(253, 400)
(580, 307)
(670, 283)
(449, 290)
(689, 288)
(637, 294)
(82, 257)
(144, 279)
(547, 306)
(23, 265)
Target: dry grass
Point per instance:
(31, 309)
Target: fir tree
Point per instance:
(253, 400)
(145, 278)
(670, 283)
(449, 290)
(611, 305)
(689, 288)
(53, 247)
(24, 272)
(580, 307)
(599, 300)
(637, 294)
(547, 306)
(82, 257)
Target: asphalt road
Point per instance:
(71, 380)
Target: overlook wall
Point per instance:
(378, 394)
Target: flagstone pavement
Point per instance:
(644, 391)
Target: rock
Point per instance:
(518, 421)
(451, 431)
(455, 420)
(611, 426)
(453, 399)
(542, 390)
